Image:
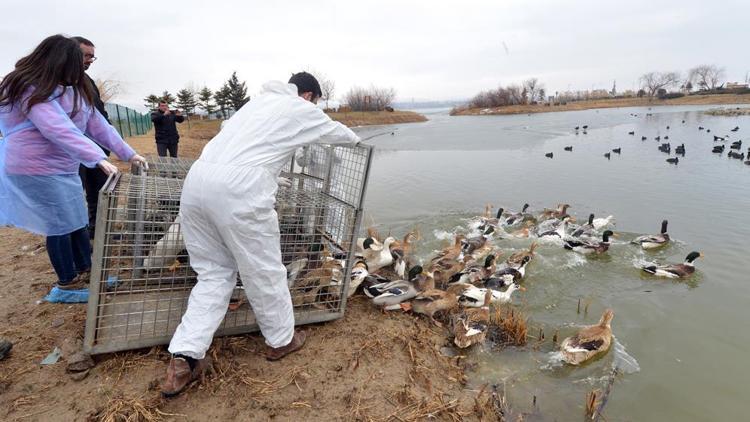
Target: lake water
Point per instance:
(690, 340)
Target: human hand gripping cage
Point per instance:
(141, 276)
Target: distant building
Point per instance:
(736, 85)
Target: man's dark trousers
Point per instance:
(162, 149)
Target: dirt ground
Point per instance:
(366, 366)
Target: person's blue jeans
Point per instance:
(70, 254)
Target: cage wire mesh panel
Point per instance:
(141, 277)
(176, 168)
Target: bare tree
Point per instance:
(706, 76)
(371, 99)
(533, 87)
(109, 89)
(654, 81)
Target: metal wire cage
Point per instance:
(176, 168)
(141, 276)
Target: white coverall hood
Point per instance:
(228, 220)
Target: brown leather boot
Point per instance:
(276, 353)
(179, 375)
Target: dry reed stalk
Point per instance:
(508, 326)
(591, 402)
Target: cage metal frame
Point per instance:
(163, 166)
(311, 183)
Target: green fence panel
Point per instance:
(127, 121)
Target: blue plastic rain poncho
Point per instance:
(40, 189)
(228, 219)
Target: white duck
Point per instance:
(473, 297)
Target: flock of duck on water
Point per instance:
(679, 149)
(468, 276)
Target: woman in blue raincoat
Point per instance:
(48, 120)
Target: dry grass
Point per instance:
(729, 112)
(609, 103)
(366, 118)
(131, 409)
(508, 326)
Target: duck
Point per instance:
(718, 149)
(516, 218)
(589, 247)
(450, 253)
(511, 274)
(586, 229)
(549, 155)
(560, 212)
(652, 241)
(558, 231)
(475, 273)
(643, 138)
(470, 326)
(632, 132)
(486, 222)
(684, 270)
(589, 341)
(607, 155)
(735, 129)
(470, 244)
(358, 275)
(516, 259)
(674, 160)
(617, 150)
(680, 150)
(600, 223)
(568, 148)
(473, 297)
(376, 255)
(401, 251)
(392, 294)
(432, 301)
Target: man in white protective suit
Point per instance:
(229, 222)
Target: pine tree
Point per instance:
(152, 102)
(221, 96)
(237, 92)
(205, 96)
(166, 97)
(186, 100)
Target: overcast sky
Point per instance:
(426, 50)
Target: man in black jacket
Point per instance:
(92, 178)
(166, 130)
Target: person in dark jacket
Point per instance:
(166, 130)
(93, 179)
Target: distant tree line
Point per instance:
(701, 79)
(230, 97)
(530, 91)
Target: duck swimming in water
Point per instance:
(684, 270)
(589, 341)
(652, 241)
(589, 247)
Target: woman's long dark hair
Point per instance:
(57, 60)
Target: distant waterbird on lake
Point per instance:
(667, 127)
(700, 128)
(585, 127)
(735, 129)
(708, 130)
(607, 155)
(658, 138)
(718, 149)
(568, 148)
(632, 132)
(736, 145)
(680, 150)
(666, 137)
(548, 155)
(665, 148)
(643, 138)
(719, 138)
(617, 150)
(674, 160)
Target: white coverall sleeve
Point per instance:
(317, 126)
